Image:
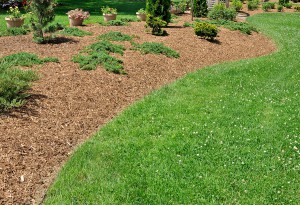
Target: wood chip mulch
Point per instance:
(67, 105)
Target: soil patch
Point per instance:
(68, 105)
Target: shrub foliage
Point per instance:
(219, 11)
(200, 8)
(206, 30)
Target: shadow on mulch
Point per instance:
(215, 41)
(27, 110)
(60, 40)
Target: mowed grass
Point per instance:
(226, 134)
(126, 9)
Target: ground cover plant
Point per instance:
(98, 53)
(227, 134)
(156, 48)
(14, 82)
(73, 31)
(115, 36)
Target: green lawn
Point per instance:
(227, 134)
(126, 8)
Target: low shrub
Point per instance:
(73, 31)
(15, 31)
(283, 2)
(237, 5)
(99, 53)
(127, 20)
(51, 28)
(156, 24)
(243, 27)
(187, 24)
(252, 4)
(205, 30)
(156, 48)
(114, 23)
(279, 8)
(288, 5)
(219, 11)
(115, 36)
(297, 8)
(266, 6)
(14, 82)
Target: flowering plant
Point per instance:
(78, 14)
(14, 12)
(108, 10)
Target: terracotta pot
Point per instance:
(140, 16)
(14, 22)
(109, 17)
(75, 22)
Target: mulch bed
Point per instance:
(67, 105)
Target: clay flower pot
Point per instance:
(75, 21)
(141, 16)
(109, 17)
(14, 22)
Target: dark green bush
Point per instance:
(283, 2)
(114, 23)
(159, 9)
(200, 8)
(156, 24)
(156, 48)
(205, 30)
(266, 6)
(243, 27)
(42, 14)
(252, 4)
(51, 28)
(219, 11)
(288, 5)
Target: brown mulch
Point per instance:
(67, 105)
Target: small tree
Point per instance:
(42, 14)
(200, 8)
(159, 8)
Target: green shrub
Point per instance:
(179, 5)
(127, 20)
(73, 31)
(295, 1)
(297, 8)
(156, 48)
(115, 36)
(14, 82)
(51, 28)
(156, 24)
(205, 30)
(219, 11)
(98, 53)
(187, 24)
(200, 8)
(15, 31)
(266, 6)
(114, 23)
(42, 14)
(159, 9)
(283, 2)
(243, 27)
(288, 5)
(252, 4)
(279, 8)
(237, 5)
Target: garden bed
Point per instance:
(67, 105)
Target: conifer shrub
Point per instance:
(206, 30)
(200, 8)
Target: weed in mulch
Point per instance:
(115, 36)
(155, 48)
(98, 53)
